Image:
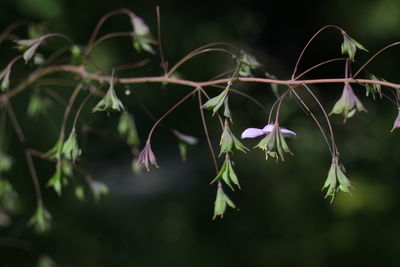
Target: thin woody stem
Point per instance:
(84, 74)
(34, 177)
(203, 120)
(316, 121)
(374, 56)
(334, 147)
(196, 51)
(163, 63)
(308, 44)
(170, 110)
(103, 19)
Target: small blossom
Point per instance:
(110, 101)
(5, 79)
(147, 157)
(396, 123)
(336, 180)
(348, 103)
(221, 202)
(349, 46)
(273, 143)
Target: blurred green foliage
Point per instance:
(165, 217)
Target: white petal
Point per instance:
(252, 132)
(286, 132)
(268, 128)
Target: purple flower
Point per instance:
(147, 156)
(396, 123)
(273, 143)
(255, 132)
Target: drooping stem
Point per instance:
(102, 20)
(308, 44)
(374, 56)
(334, 148)
(68, 109)
(163, 63)
(169, 111)
(35, 179)
(203, 120)
(315, 119)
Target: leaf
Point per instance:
(127, 129)
(41, 220)
(56, 180)
(227, 174)
(80, 193)
(216, 102)
(37, 105)
(221, 201)
(5, 162)
(349, 46)
(46, 261)
(70, 149)
(183, 151)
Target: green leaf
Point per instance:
(246, 63)
(349, 46)
(228, 140)
(80, 193)
(70, 149)
(41, 220)
(216, 102)
(373, 88)
(37, 105)
(56, 180)
(127, 129)
(46, 261)
(110, 101)
(183, 151)
(221, 202)
(5, 162)
(227, 174)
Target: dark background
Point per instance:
(164, 218)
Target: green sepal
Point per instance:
(373, 88)
(221, 202)
(336, 180)
(127, 129)
(227, 174)
(37, 105)
(5, 162)
(228, 141)
(349, 46)
(70, 149)
(110, 102)
(216, 102)
(41, 219)
(80, 193)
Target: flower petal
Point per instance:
(286, 132)
(269, 128)
(252, 132)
